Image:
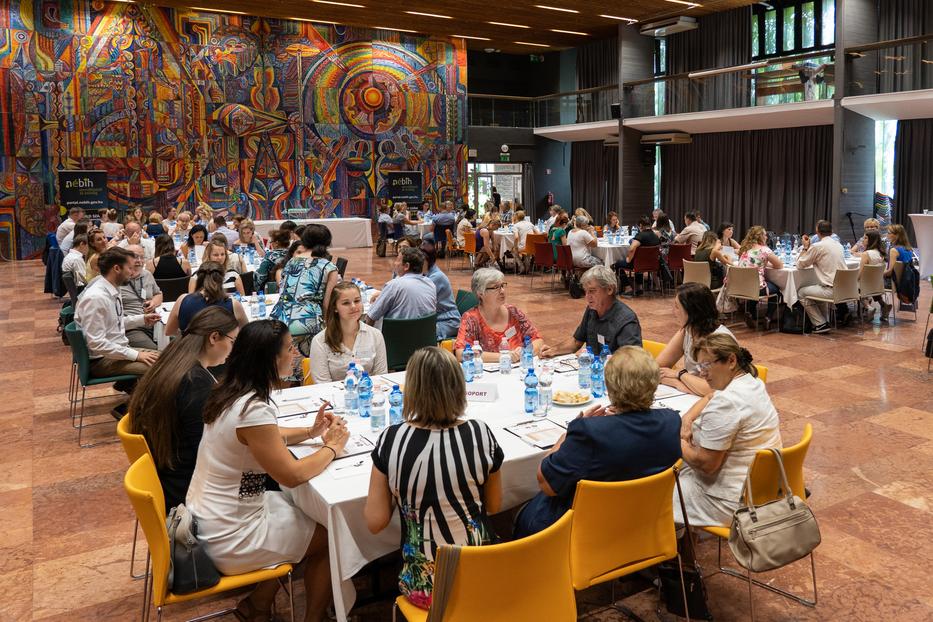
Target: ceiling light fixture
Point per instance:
(474, 38)
(621, 19)
(507, 25)
(556, 8)
(429, 15)
(201, 8)
(571, 32)
(335, 3)
(689, 4)
(537, 45)
(315, 21)
(395, 29)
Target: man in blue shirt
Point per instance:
(220, 226)
(624, 441)
(409, 296)
(444, 221)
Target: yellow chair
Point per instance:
(762, 372)
(306, 377)
(654, 348)
(447, 344)
(135, 446)
(145, 492)
(765, 481)
(528, 579)
(620, 528)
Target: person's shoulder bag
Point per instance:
(190, 569)
(774, 534)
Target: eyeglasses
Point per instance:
(232, 339)
(496, 288)
(703, 368)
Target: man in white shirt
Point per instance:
(74, 261)
(220, 226)
(80, 228)
(581, 241)
(522, 228)
(133, 235)
(140, 295)
(692, 233)
(825, 257)
(74, 215)
(99, 315)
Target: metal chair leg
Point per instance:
(147, 590)
(133, 554)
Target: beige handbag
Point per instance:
(774, 534)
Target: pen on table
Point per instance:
(350, 466)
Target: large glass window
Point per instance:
(792, 27)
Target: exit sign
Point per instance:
(504, 157)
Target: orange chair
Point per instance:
(451, 246)
(528, 252)
(469, 248)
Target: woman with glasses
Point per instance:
(722, 432)
(694, 309)
(243, 526)
(494, 320)
(166, 404)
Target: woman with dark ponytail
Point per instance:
(722, 432)
(208, 292)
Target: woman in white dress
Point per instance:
(243, 526)
(345, 339)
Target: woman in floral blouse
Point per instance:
(494, 320)
(755, 253)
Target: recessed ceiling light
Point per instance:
(508, 25)
(429, 15)
(346, 4)
(201, 8)
(470, 37)
(556, 8)
(314, 21)
(571, 32)
(621, 19)
(395, 29)
(689, 4)
(537, 45)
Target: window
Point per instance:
(792, 27)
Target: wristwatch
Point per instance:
(680, 374)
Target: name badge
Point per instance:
(482, 392)
(600, 339)
(509, 333)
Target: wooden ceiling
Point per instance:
(470, 18)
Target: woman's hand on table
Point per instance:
(336, 435)
(668, 374)
(597, 410)
(322, 421)
(516, 354)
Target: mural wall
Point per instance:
(267, 118)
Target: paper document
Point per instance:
(680, 403)
(540, 433)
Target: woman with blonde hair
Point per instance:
(248, 238)
(754, 253)
(486, 247)
(441, 470)
(216, 252)
(723, 431)
(623, 441)
(346, 339)
(97, 244)
(710, 250)
(900, 249)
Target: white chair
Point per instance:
(744, 284)
(697, 272)
(845, 290)
(871, 282)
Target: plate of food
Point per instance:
(572, 398)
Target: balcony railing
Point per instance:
(580, 106)
(892, 66)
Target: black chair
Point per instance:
(403, 337)
(172, 289)
(341, 263)
(248, 283)
(68, 278)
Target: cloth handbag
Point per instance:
(669, 572)
(725, 304)
(190, 569)
(774, 534)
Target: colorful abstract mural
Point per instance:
(267, 118)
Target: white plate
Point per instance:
(572, 405)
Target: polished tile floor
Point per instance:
(67, 525)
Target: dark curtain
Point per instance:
(913, 171)
(722, 40)
(780, 179)
(597, 65)
(903, 68)
(594, 178)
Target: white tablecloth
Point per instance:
(165, 310)
(346, 232)
(336, 498)
(425, 228)
(610, 253)
(923, 228)
(789, 279)
(506, 240)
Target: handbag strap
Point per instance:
(788, 493)
(683, 511)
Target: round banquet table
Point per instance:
(789, 279)
(923, 228)
(610, 253)
(336, 497)
(345, 232)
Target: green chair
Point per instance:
(466, 300)
(403, 337)
(81, 373)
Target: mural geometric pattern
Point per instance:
(266, 118)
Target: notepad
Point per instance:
(540, 433)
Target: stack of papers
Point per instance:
(540, 433)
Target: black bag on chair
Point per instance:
(191, 569)
(576, 289)
(793, 319)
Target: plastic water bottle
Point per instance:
(254, 308)
(848, 251)
(192, 257)
(177, 239)
(351, 396)
(352, 372)
(395, 405)
(597, 378)
(528, 354)
(261, 303)
(531, 392)
(477, 360)
(505, 358)
(545, 378)
(584, 360)
(377, 419)
(365, 395)
(467, 363)
(604, 355)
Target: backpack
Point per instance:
(908, 287)
(793, 319)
